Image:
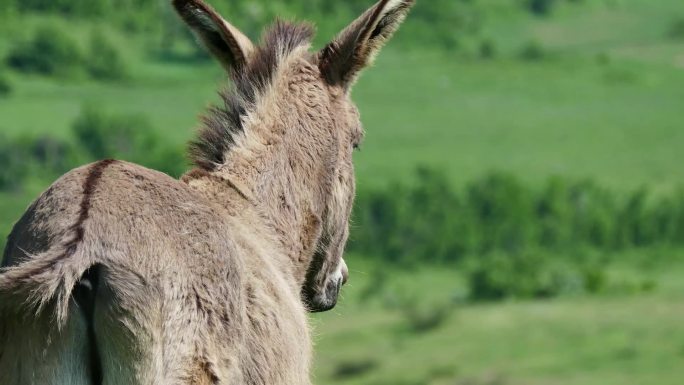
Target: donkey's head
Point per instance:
(294, 106)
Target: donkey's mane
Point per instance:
(221, 123)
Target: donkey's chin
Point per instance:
(323, 300)
(319, 298)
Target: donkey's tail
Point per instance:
(48, 278)
(46, 322)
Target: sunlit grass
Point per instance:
(616, 338)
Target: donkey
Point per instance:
(118, 274)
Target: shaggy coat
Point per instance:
(118, 274)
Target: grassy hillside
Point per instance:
(618, 122)
(611, 339)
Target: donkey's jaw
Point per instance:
(325, 298)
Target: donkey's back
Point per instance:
(122, 275)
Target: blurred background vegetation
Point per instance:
(520, 217)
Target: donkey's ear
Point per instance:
(230, 46)
(355, 47)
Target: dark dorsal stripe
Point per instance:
(89, 186)
(77, 229)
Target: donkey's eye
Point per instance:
(357, 138)
(356, 146)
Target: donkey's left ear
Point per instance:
(230, 46)
(355, 47)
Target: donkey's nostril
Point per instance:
(345, 272)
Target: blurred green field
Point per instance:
(611, 339)
(594, 90)
(618, 122)
(605, 101)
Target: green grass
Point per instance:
(171, 98)
(619, 122)
(608, 339)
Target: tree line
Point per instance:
(434, 22)
(513, 239)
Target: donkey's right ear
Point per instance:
(230, 46)
(355, 47)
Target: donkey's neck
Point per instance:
(282, 161)
(289, 201)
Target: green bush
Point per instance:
(435, 22)
(104, 59)
(5, 85)
(594, 215)
(65, 7)
(98, 135)
(50, 51)
(677, 29)
(127, 137)
(15, 164)
(31, 158)
(422, 317)
(532, 274)
(555, 213)
(487, 49)
(411, 222)
(503, 213)
(430, 221)
(499, 275)
(103, 136)
(532, 51)
(540, 7)
(354, 368)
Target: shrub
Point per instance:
(24, 158)
(502, 213)
(50, 52)
(424, 317)
(15, 164)
(594, 279)
(354, 368)
(677, 29)
(420, 223)
(540, 7)
(430, 221)
(594, 214)
(66, 7)
(104, 60)
(418, 314)
(555, 212)
(532, 51)
(5, 85)
(128, 137)
(616, 75)
(634, 227)
(532, 274)
(104, 136)
(487, 49)
(603, 58)
(667, 219)
(54, 157)
(498, 276)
